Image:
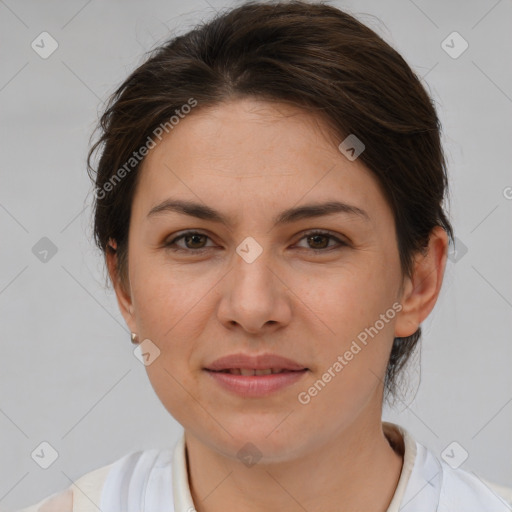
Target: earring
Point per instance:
(135, 338)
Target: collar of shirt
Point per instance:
(140, 481)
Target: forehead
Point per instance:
(254, 155)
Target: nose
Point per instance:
(254, 296)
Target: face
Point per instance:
(304, 288)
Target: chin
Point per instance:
(266, 438)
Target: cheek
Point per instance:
(355, 306)
(168, 304)
(351, 363)
(166, 298)
(349, 298)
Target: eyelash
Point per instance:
(327, 234)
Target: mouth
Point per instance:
(249, 372)
(255, 376)
(248, 364)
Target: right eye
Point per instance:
(191, 240)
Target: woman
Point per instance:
(269, 200)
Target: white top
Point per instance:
(140, 482)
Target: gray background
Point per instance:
(68, 375)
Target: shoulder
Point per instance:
(464, 488)
(429, 483)
(87, 490)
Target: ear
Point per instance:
(124, 299)
(421, 290)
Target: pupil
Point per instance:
(192, 237)
(316, 237)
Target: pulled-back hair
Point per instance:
(309, 55)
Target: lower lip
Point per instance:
(256, 385)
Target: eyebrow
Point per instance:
(288, 216)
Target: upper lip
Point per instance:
(257, 362)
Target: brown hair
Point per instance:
(313, 56)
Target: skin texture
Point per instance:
(250, 160)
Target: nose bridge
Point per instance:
(251, 272)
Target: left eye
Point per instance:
(315, 237)
(194, 241)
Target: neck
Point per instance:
(357, 469)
